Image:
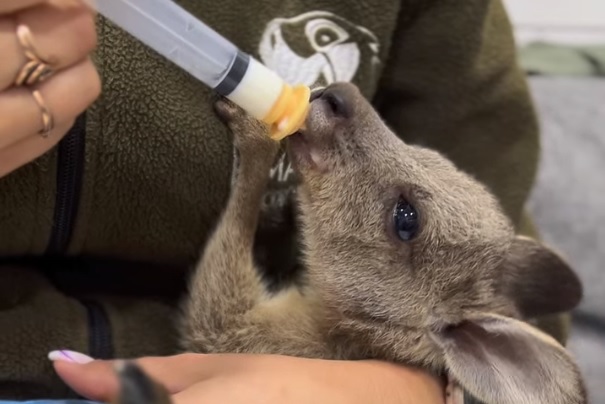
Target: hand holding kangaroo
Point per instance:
(407, 260)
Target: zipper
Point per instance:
(70, 172)
(100, 339)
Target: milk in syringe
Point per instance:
(189, 43)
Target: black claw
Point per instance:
(138, 388)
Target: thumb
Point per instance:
(97, 380)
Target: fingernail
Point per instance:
(69, 356)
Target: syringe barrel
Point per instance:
(189, 43)
(174, 33)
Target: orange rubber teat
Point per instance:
(289, 112)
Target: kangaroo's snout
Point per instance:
(338, 99)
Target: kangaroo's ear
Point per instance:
(500, 360)
(538, 280)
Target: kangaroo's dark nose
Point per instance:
(338, 101)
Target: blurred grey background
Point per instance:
(562, 48)
(568, 203)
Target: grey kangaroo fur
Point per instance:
(455, 295)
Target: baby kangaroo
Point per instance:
(407, 259)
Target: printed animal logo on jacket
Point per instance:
(318, 48)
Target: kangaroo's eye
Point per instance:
(406, 220)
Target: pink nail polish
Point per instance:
(69, 356)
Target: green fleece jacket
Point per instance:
(98, 235)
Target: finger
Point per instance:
(60, 38)
(66, 95)
(29, 149)
(10, 6)
(212, 391)
(65, 4)
(97, 380)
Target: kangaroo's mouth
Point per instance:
(309, 148)
(305, 153)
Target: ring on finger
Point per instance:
(48, 122)
(36, 69)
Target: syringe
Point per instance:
(189, 43)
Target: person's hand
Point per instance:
(255, 379)
(46, 76)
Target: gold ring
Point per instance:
(36, 69)
(48, 122)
